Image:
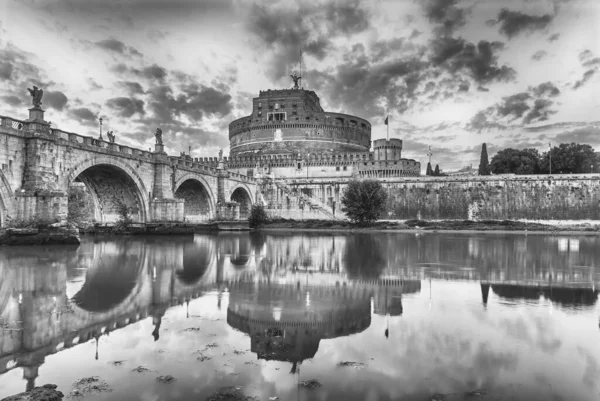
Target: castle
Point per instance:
(289, 135)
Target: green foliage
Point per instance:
(79, 206)
(364, 201)
(515, 161)
(570, 158)
(124, 212)
(436, 172)
(567, 158)
(484, 163)
(258, 216)
(429, 171)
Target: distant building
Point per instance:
(467, 170)
(289, 135)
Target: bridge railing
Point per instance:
(13, 123)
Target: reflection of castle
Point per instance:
(288, 316)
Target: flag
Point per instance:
(386, 120)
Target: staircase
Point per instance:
(313, 203)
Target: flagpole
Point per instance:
(388, 127)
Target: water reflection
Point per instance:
(286, 293)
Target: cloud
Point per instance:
(540, 112)
(84, 115)
(588, 135)
(12, 100)
(479, 61)
(513, 23)
(6, 70)
(586, 77)
(134, 88)
(117, 46)
(540, 54)
(126, 106)
(530, 106)
(306, 27)
(55, 99)
(194, 102)
(545, 89)
(151, 73)
(554, 37)
(446, 14)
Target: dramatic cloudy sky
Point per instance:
(452, 73)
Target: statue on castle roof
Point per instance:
(220, 154)
(158, 135)
(36, 96)
(296, 79)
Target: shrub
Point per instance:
(364, 201)
(258, 216)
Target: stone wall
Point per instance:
(559, 197)
(543, 197)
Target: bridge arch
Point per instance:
(241, 194)
(199, 198)
(199, 257)
(112, 182)
(6, 200)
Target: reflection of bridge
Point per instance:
(157, 187)
(272, 283)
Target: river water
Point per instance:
(415, 316)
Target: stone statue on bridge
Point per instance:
(296, 79)
(111, 136)
(36, 95)
(158, 136)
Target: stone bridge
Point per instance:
(39, 164)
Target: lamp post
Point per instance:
(307, 161)
(100, 119)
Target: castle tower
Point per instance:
(387, 150)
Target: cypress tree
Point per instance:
(429, 170)
(437, 170)
(484, 163)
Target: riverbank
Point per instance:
(40, 236)
(437, 225)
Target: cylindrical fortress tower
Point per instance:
(387, 149)
(292, 121)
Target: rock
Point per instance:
(47, 392)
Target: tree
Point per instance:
(569, 158)
(515, 161)
(364, 201)
(429, 171)
(484, 163)
(258, 216)
(436, 172)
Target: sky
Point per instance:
(451, 74)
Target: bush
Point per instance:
(364, 201)
(258, 216)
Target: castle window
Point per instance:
(337, 168)
(277, 116)
(307, 118)
(259, 105)
(345, 168)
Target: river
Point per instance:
(304, 316)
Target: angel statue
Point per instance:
(220, 154)
(158, 136)
(296, 79)
(36, 95)
(111, 136)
